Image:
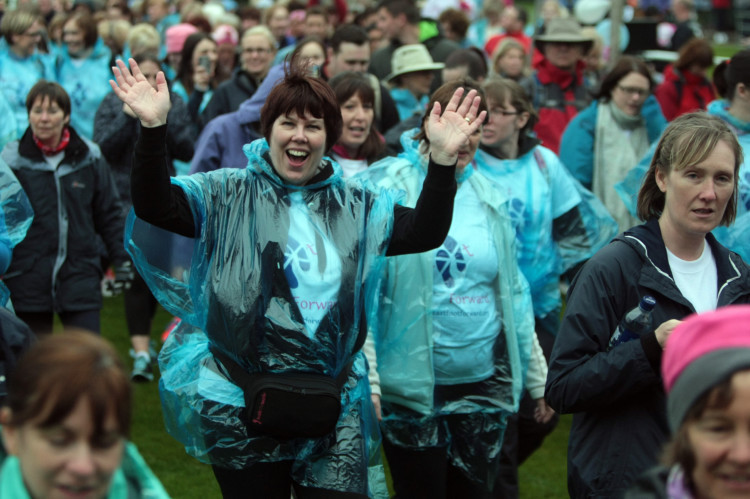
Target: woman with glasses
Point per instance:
(604, 141)
(21, 64)
(257, 50)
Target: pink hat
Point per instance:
(176, 35)
(703, 351)
(225, 34)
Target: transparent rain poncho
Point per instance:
(403, 336)
(735, 237)
(15, 217)
(240, 292)
(540, 188)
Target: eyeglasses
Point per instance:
(255, 51)
(640, 92)
(35, 34)
(503, 112)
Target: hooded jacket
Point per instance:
(57, 267)
(616, 396)
(682, 92)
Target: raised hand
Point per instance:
(451, 129)
(149, 105)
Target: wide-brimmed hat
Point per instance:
(563, 31)
(410, 59)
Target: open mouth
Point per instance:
(297, 157)
(76, 491)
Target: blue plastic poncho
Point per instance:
(734, 237)
(16, 216)
(17, 76)
(540, 189)
(404, 341)
(242, 292)
(87, 83)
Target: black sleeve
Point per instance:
(569, 224)
(155, 199)
(425, 226)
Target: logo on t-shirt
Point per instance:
(450, 261)
(295, 256)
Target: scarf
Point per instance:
(620, 141)
(676, 486)
(51, 151)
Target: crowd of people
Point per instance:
(395, 237)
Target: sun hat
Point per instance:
(563, 31)
(175, 36)
(410, 59)
(701, 352)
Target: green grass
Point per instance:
(542, 476)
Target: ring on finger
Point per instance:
(468, 120)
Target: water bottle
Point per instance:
(635, 323)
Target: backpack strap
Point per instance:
(541, 163)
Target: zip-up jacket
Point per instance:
(616, 396)
(57, 267)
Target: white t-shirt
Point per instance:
(466, 319)
(697, 279)
(311, 264)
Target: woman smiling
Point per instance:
(286, 261)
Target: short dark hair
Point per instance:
(625, 65)
(53, 375)
(301, 93)
(469, 58)
(687, 141)
(317, 10)
(54, 91)
(348, 33)
(696, 51)
(457, 20)
(731, 72)
(398, 7)
(350, 83)
(443, 95)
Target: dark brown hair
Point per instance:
(443, 96)
(348, 84)
(687, 141)
(731, 72)
(86, 23)
(56, 372)
(695, 52)
(301, 93)
(626, 65)
(186, 69)
(51, 89)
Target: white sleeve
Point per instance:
(536, 376)
(372, 361)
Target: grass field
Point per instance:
(542, 476)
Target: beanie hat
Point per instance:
(176, 35)
(701, 352)
(225, 34)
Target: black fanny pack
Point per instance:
(288, 405)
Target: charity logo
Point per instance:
(450, 261)
(296, 258)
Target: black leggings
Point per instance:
(270, 481)
(42, 322)
(140, 307)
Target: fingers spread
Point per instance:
(453, 104)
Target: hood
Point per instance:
(259, 159)
(720, 108)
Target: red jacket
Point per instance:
(558, 95)
(682, 92)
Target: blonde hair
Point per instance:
(143, 38)
(503, 48)
(687, 141)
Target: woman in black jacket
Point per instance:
(57, 267)
(619, 422)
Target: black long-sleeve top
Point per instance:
(164, 205)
